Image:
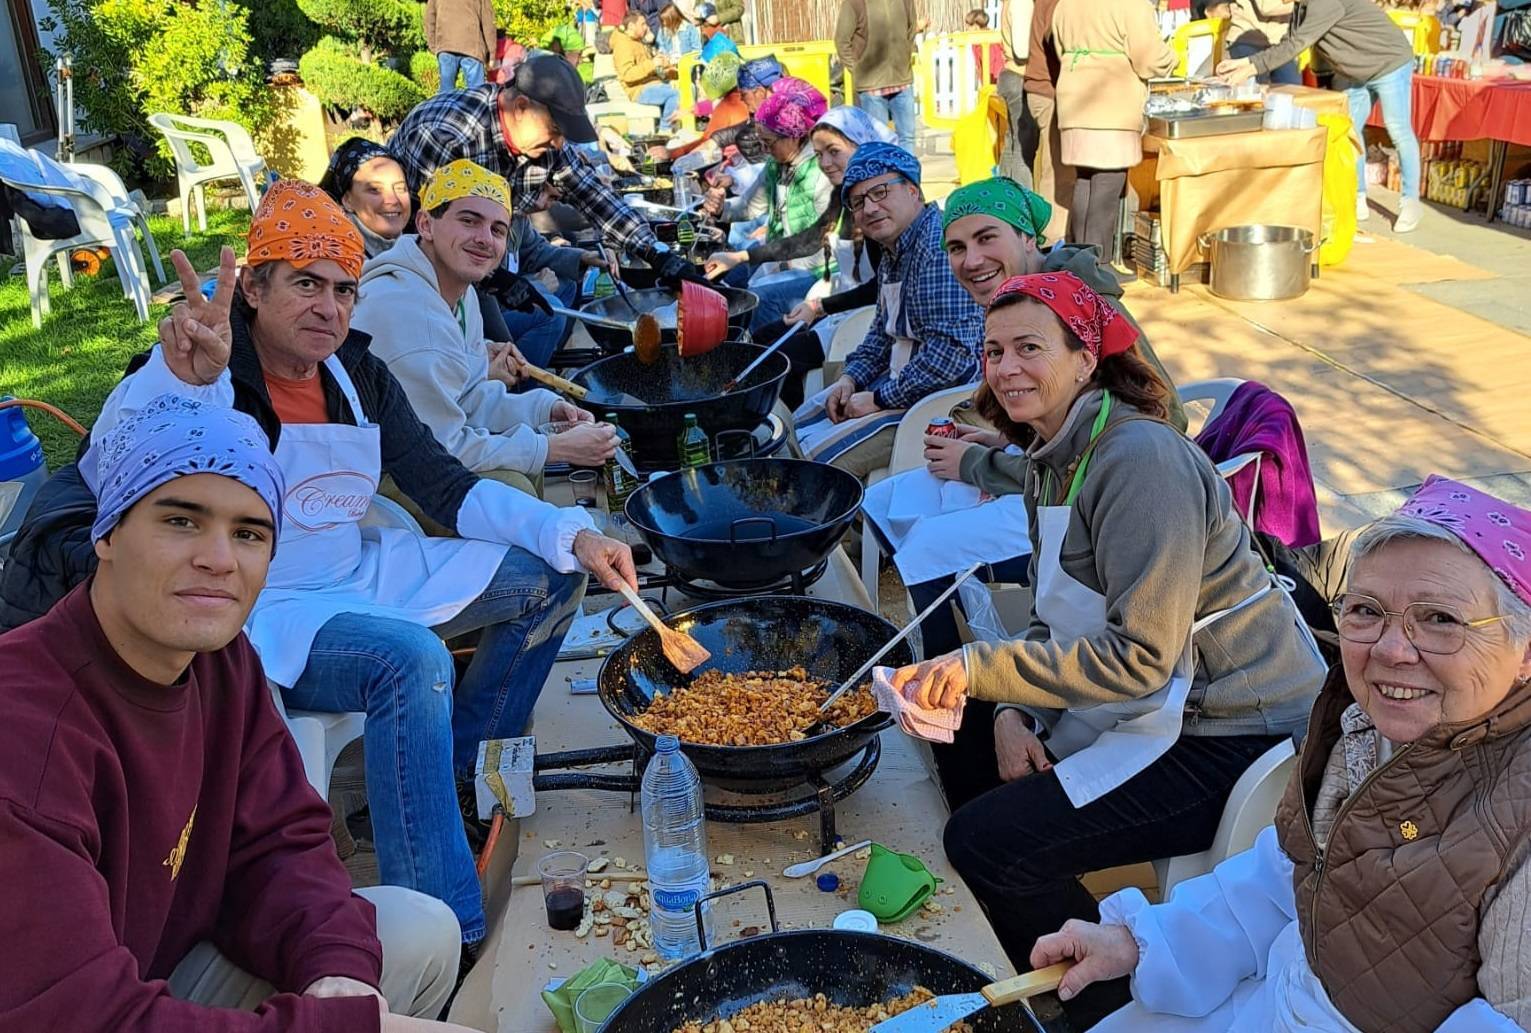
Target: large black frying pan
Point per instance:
(849, 968)
(747, 522)
(741, 304)
(651, 401)
(766, 633)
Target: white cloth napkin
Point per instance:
(922, 722)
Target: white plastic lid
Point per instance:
(856, 920)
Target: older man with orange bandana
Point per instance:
(353, 617)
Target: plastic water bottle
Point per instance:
(674, 848)
(22, 472)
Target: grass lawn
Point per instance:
(83, 347)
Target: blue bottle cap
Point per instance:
(828, 882)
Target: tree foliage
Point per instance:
(133, 58)
(337, 75)
(381, 27)
(529, 21)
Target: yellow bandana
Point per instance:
(463, 178)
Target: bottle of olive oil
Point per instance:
(691, 444)
(619, 483)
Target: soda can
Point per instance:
(942, 427)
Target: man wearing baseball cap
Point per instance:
(534, 119)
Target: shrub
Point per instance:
(280, 29)
(381, 27)
(424, 70)
(136, 57)
(529, 21)
(339, 77)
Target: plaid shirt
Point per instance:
(466, 124)
(935, 312)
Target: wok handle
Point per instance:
(733, 528)
(701, 926)
(1029, 984)
(746, 434)
(555, 381)
(611, 617)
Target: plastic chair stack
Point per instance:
(231, 156)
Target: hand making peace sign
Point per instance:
(196, 337)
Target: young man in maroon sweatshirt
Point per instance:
(166, 866)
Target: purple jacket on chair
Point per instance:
(1257, 419)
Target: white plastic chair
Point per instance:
(105, 221)
(232, 156)
(1251, 806)
(640, 119)
(908, 452)
(1217, 392)
(850, 333)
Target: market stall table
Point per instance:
(1208, 183)
(900, 807)
(1497, 110)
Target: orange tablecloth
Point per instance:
(1213, 182)
(1469, 109)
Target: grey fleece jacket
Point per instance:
(1004, 473)
(1154, 531)
(1353, 38)
(444, 368)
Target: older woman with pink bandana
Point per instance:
(792, 192)
(1392, 892)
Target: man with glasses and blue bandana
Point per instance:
(923, 336)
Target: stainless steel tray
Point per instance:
(1182, 127)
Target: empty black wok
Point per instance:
(651, 401)
(765, 633)
(849, 968)
(748, 522)
(741, 304)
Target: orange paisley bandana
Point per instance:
(299, 223)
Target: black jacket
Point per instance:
(53, 553)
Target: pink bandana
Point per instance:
(1089, 316)
(793, 108)
(1499, 533)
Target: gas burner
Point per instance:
(786, 798)
(792, 584)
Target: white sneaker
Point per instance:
(1363, 210)
(1410, 211)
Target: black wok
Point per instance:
(741, 304)
(748, 522)
(849, 968)
(765, 633)
(651, 401)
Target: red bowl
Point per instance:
(701, 319)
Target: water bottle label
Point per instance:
(676, 900)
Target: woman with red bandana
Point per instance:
(1161, 658)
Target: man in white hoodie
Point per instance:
(426, 325)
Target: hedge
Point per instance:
(338, 76)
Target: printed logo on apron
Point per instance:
(327, 500)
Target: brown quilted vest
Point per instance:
(1389, 909)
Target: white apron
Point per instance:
(1101, 747)
(939, 528)
(849, 274)
(327, 564)
(823, 440)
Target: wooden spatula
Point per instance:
(939, 1013)
(683, 651)
(554, 381)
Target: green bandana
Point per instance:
(721, 75)
(1004, 199)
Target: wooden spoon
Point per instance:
(554, 381)
(685, 653)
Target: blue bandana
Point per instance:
(174, 437)
(762, 71)
(876, 159)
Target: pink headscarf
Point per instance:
(1497, 532)
(793, 108)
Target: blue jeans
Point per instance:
(898, 107)
(777, 297)
(448, 64)
(537, 334)
(1286, 75)
(420, 732)
(1395, 92)
(663, 96)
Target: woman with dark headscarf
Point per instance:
(370, 187)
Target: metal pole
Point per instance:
(63, 103)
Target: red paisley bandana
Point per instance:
(1089, 316)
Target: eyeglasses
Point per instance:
(876, 194)
(1431, 627)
